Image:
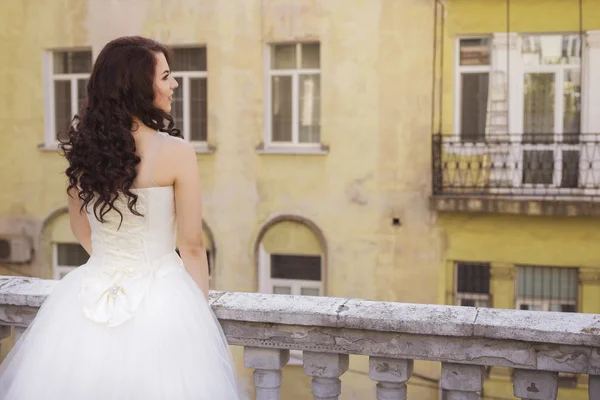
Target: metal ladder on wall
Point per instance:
(497, 132)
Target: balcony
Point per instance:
(531, 174)
(465, 340)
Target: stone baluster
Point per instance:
(391, 375)
(594, 387)
(267, 364)
(535, 385)
(19, 330)
(325, 369)
(461, 381)
(4, 332)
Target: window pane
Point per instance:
(177, 105)
(570, 169)
(473, 278)
(467, 302)
(72, 62)
(81, 92)
(309, 129)
(551, 49)
(282, 290)
(547, 283)
(62, 108)
(209, 259)
(198, 109)
(572, 105)
(281, 124)
(310, 55)
(309, 292)
(538, 167)
(71, 254)
(189, 59)
(539, 108)
(474, 99)
(568, 308)
(475, 51)
(306, 268)
(283, 56)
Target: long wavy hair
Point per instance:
(100, 148)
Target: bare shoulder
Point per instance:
(178, 148)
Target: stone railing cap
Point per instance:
(335, 312)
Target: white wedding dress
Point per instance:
(130, 324)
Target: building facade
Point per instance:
(515, 159)
(324, 169)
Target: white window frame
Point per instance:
(480, 299)
(57, 269)
(459, 70)
(50, 136)
(295, 74)
(558, 71)
(543, 304)
(185, 76)
(266, 283)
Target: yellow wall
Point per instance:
(375, 119)
(351, 194)
(508, 240)
(376, 72)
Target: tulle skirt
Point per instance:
(171, 348)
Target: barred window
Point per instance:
(472, 284)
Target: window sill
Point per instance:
(204, 148)
(48, 147)
(201, 148)
(318, 149)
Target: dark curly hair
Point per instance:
(100, 148)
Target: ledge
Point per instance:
(545, 341)
(49, 148)
(204, 148)
(201, 148)
(560, 207)
(319, 150)
(332, 312)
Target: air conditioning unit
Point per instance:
(15, 250)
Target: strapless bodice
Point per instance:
(136, 239)
(128, 254)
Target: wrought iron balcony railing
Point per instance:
(543, 166)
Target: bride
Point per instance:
(134, 321)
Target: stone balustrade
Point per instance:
(537, 345)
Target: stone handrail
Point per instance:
(537, 345)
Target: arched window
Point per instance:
(291, 258)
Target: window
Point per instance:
(189, 108)
(551, 110)
(473, 88)
(294, 94)
(68, 73)
(472, 284)
(291, 274)
(295, 274)
(67, 257)
(547, 288)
